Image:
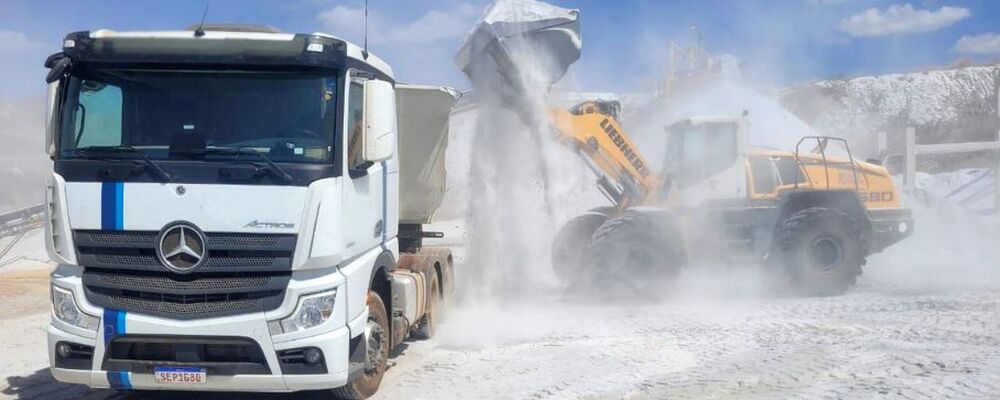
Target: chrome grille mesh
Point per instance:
(242, 273)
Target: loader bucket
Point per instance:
(520, 44)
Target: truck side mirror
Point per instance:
(380, 121)
(51, 127)
(58, 65)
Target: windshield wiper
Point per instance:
(89, 150)
(239, 151)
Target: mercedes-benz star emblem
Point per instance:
(181, 247)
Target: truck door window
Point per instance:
(99, 115)
(355, 119)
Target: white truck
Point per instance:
(230, 211)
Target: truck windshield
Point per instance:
(175, 114)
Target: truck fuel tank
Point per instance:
(408, 296)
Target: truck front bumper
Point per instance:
(889, 226)
(334, 347)
(238, 353)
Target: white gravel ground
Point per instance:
(887, 338)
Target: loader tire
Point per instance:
(822, 250)
(377, 334)
(428, 324)
(569, 249)
(636, 255)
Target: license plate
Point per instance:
(180, 375)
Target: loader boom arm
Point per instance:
(593, 131)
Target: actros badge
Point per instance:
(272, 225)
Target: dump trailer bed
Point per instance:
(423, 140)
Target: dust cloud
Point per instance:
(510, 212)
(23, 165)
(522, 186)
(950, 250)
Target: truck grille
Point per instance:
(183, 306)
(243, 273)
(227, 252)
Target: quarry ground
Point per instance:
(888, 338)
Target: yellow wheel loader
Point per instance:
(815, 215)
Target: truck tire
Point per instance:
(821, 249)
(569, 249)
(428, 324)
(377, 333)
(635, 255)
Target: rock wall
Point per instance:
(954, 105)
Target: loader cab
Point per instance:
(702, 159)
(772, 173)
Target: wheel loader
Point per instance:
(813, 214)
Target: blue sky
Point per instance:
(779, 41)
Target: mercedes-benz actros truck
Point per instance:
(233, 208)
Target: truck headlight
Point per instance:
(64, 308)
(313, 310)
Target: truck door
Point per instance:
(364, 189)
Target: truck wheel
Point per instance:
(377, 335)
(428, 324)
(636, 254)
(569, 250)
(822, 250)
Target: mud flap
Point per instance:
(358, 348)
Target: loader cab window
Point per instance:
(765, 178)
(698, 151)
(789, 171)
(355, 119)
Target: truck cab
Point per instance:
(225, 210)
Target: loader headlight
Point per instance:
(313, 310)
(64, 308)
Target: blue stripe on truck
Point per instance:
(114, 324)
(119, 380)
(112, 206)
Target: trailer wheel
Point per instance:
(822, 250)
(428, 324)
(636, 254)
(377, 334)
(569, 249)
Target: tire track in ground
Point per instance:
(857, 347)
(877, 341)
